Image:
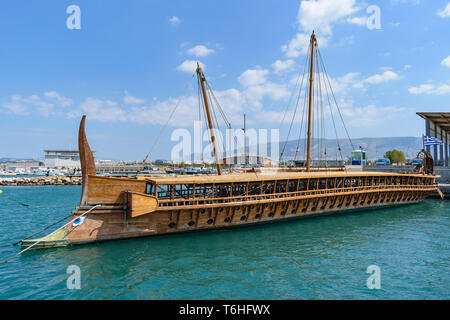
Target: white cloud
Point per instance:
(407, 66)
(349, 81)
(384, 77)
(174, 21)
(200, 51)
(254, 95)
(62, 100)
(101, 110)
(320, 15)
(445, 13)
(299, 44)
(430, 89)
(446, 62)
(190, 66)
(16, 106)
(370, 115)
(234, 100)
(159, 112)
(44, 106)
(127, 99)
(253, 77)
(280, 66)
(360, 21)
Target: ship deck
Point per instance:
(267, 176)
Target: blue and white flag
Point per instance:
(431, 141)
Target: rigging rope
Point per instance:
(214, 101)
(296, 83)
(296, 106)
(318, 104)
(335, 101)
(170, 117)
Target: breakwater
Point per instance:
(41, 181)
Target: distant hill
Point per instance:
(3, 160)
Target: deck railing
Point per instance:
(296, 194)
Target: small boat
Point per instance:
(114, 208)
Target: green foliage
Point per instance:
(395, 156)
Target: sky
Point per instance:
(127, 64)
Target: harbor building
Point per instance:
(253, 160)
(21, 166)
(62, 158)
(437, 125)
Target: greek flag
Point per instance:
(431, 141)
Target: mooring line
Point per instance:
(29, 247)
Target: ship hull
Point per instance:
(114, 225)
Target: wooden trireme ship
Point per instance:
(128, 207)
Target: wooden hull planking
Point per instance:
(116, 219)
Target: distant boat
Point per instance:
(117, 208)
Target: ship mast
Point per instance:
(311, 80)
(201, 77)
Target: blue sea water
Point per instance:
(321, 258)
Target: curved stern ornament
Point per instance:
(87, 162)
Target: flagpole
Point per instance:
(423, 142)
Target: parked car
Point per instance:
(383, 162)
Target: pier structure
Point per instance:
(437, 124)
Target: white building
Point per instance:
(62, 158)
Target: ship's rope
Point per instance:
(323, 144)
(295, 87)
(215, 104)
(38, 241)
(334, 97)
(296, 105)
(170, 117)
(301, 126)
(322, 86)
